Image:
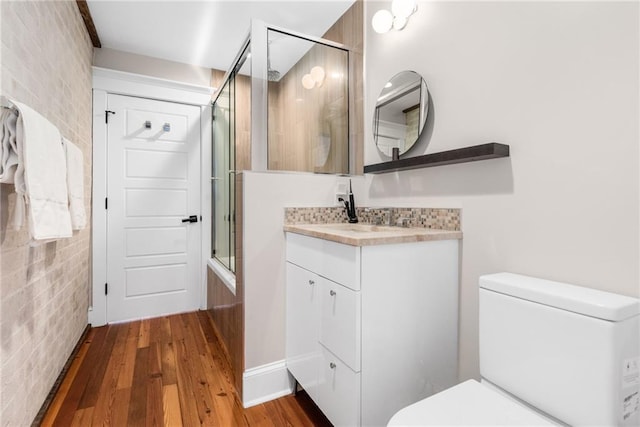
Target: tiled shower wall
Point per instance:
(46, 63)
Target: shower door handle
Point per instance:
(192, 218)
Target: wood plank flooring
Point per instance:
(168, 371)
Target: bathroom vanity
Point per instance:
(372, 316)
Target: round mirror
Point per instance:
(401, 112)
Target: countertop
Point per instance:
(368, 234)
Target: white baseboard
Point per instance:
(265, 383)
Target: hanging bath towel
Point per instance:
(44, 191)
(10, 157)
(75, 185)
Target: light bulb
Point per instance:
(308, 82)
(403, 8)
(399, 22)
(382, 21)
(317, 73)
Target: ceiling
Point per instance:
(204, 33)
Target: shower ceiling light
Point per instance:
(401, 10)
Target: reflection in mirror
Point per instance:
(401, 112)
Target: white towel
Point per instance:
(45, 177)
(9, 155)
(75, 185)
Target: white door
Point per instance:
(152, 189)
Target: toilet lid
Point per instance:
(467, 404)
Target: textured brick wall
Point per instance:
(46, 63)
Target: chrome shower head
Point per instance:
(273, 75)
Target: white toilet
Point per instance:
(550, 353)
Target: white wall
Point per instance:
(558, 82)
(266, 194)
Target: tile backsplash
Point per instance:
(436, 218)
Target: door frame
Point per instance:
(111, 82)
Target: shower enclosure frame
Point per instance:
(258, 38)
(256, 42)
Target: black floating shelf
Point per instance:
(492, 150)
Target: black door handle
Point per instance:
(192, 218)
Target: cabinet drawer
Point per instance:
(340, 322)
(338, 391)
(335, 261)
(303, 312)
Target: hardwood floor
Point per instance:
(168, 371)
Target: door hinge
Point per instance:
(106, 288)
(106, 115)
(106, 203)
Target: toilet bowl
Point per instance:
(550, 354)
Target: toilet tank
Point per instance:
(568, 351)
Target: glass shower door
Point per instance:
(223, 178)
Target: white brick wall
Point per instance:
(45, 57)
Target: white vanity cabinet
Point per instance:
(371, 329)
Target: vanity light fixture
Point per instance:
(308, 82)
(397, 18)
(314, 78)
(318, 74)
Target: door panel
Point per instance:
(156, 164)
(151, 241)
(156, 202)
(155, 279)
(152, 185)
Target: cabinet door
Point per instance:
(340, 322)
(302, 348)
(338, 391)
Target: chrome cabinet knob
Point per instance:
(332, 365)
(332, 293)
(166, 127)
(311, 282)
(147, 124)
